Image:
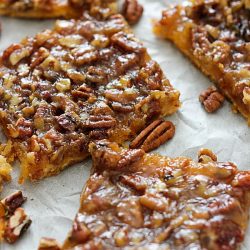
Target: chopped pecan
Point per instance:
(24, 128)
(125, 62)
(80, 233)
(49, 244)
(123, 108)
(127, 42)
(13, 201)
(98, 134)
(17, 224)
(85, 54)
(242, 179)
(212, 99)
(96, 75)
(10, 50)
(136, 182)
(154, 202)
(132, 216)
(82, 92)
(132, 11)
(39, 57)
(100, 121)
(66, 122)
(157, 133)
(121, 238)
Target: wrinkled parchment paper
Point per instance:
(53, 203)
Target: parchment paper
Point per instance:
(53, 203)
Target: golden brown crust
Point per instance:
(84, 80)
(155, 202)
(6, 157)
(41, 9)
(215, 36)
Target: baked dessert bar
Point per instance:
(56, 8)
(84, 80)
(143, 201)
(215, 35)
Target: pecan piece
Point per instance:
(66, 122)
(17, 224)
(49, 244)
(212, 99)
(157, 133)
(25, 128)
(122, 108)
(129, 157)
(13, 201)
(96, 75)
(132, 11)
(206, 155)
(100, 121)
(80, 233)
(127, 42)
(98, 134)
(82, 92)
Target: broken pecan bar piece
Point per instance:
(13, 219)
(84, 80)
(155, 202)
(215, 35)
(56, 8)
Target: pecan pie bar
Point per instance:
(215, 35)
(144, 201)
(56, 8)
(83, 80)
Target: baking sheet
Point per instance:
(53, 203)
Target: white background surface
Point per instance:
(53, 203)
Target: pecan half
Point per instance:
(130, 157)
(132, 11)
(17, 224)
(157, 133)
(212, 99)
(82, 92)
(13, 201)
(49, 244)
(100, 121)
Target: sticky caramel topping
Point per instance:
(155, 202)
(82, 81)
